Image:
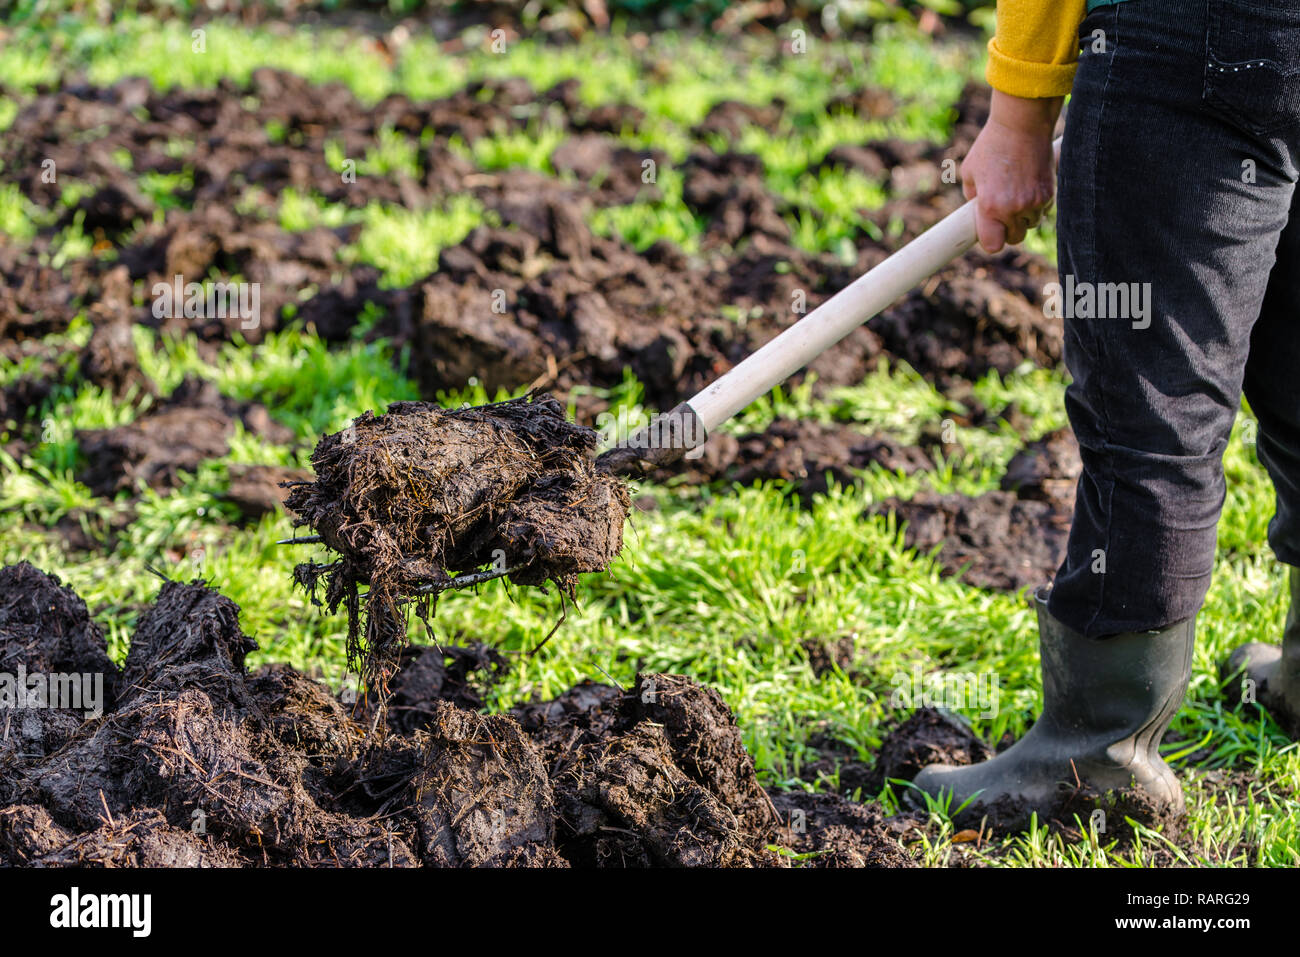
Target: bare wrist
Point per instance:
(1036, 116)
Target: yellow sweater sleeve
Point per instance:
(1035, 47)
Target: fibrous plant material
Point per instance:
(412, 497)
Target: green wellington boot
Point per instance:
(1275, 670)
(1106, 704)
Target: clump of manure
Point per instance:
(412, 498)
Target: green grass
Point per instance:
(17, 213)
(393, 153)
(687, 78)
(528, 149)
(299, 211)
(831, 210)
(162, 188)
(405, 243)
(643, 222)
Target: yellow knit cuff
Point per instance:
(1027, 78)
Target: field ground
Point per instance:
(798, 601)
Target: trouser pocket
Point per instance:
(1252, 62)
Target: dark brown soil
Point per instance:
(411, 497)
(192, 425)
(833, 832)
(827, 654)
(110, 359)
(231, 156)
(1046, 470)
(807, 455)
(991, 541)
(671, 785)
(258, 490)
(45, 629)
(1009, 539)
(460, 674)
(928, 737)
(23, 396)
(615, 173)
(977, 314)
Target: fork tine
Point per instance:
(466, 580)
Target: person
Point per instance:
(1179, 253)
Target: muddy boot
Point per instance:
(1275, 670)
(1106, 704)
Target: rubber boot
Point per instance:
(1275, 670)
(1106, 705)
